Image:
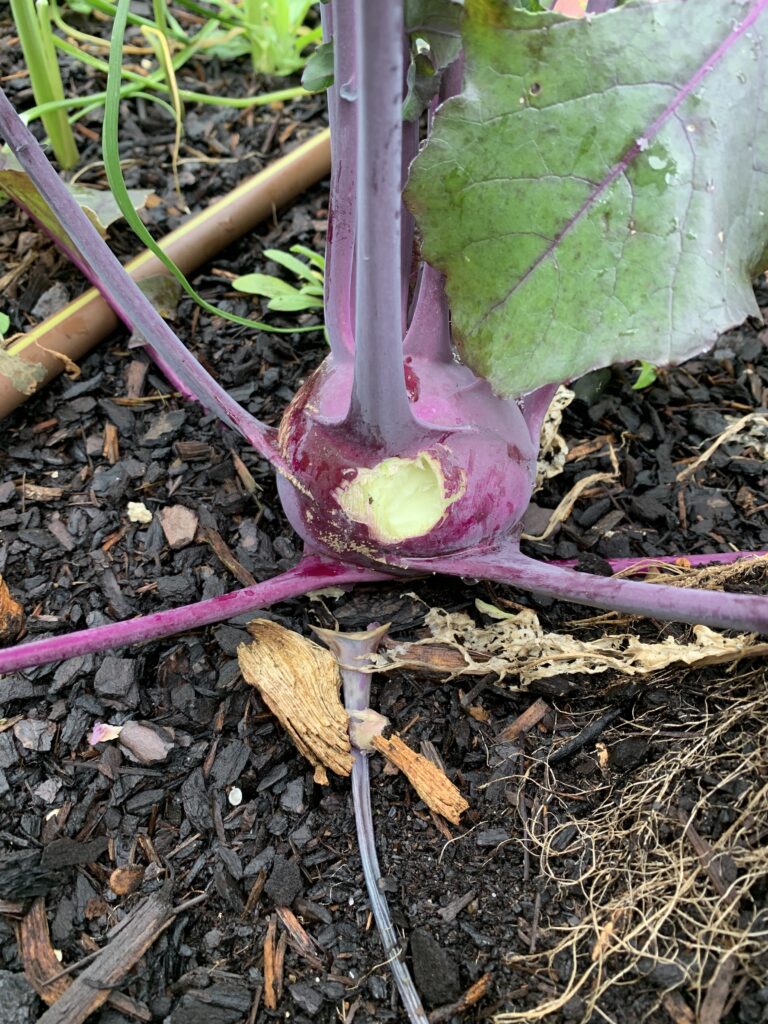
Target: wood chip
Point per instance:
(713, 1004)
(37, 955)
(299, 681)
(111, 447)
(299, 938)
(226, 556)
(450, 912)
(677, 1008)
(274, 959)
(245, 475)
(11, 615)
(434, 788)
(719, 866)
(179, 525)
(146, 744)
(135, 376)
(128, 943)
(124, 881)
(46, 975)
(35, 492)
(525, 722)
(477, 991)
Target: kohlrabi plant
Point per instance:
(560, 195)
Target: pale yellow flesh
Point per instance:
(398, 498)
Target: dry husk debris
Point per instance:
(516, 644)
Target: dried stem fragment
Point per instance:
(432, 785)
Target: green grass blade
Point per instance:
(315, 258)
(297, 303)
(117, 182)
(36, 38)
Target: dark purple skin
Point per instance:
(488, 470)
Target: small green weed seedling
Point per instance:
(284, 297)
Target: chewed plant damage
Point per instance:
(577, 193)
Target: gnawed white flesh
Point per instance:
(398, 498)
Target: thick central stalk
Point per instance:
(380, 410)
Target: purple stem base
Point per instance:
(670, 604)
(311, 573)
(652, 562)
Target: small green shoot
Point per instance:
(271, 31)
(646, 376)
(284, 297)
(32, 19)
(5, 323)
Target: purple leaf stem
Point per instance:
(380, 412)
(429, 334)
(361, 797)
(534, 406)
(351, 649)
(453, 79)
(125, 297)
(410, 137)
(311, 573)
(654, 562)
(670, 604)
(339, 20)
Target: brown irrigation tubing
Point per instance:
(83, 323)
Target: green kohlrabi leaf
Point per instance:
(599, 192)
(437, 23)
(99, 204)
(318, 71)
(433, 29)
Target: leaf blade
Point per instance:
(592, 196)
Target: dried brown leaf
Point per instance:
(517, 645)
(299, 682)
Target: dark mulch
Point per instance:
(466, 900)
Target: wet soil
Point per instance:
(231, 811)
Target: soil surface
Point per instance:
(635, 862)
